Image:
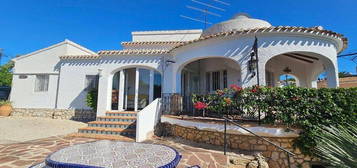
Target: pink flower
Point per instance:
(236, 88)
(200, 105)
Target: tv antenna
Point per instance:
(206, 9)
(352, 56)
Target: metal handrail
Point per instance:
(265, 139)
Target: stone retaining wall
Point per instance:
(275, 157)
(69, 114)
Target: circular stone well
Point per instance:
(112, 154)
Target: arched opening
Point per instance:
(287, 80)
(135, 88)
(304, 67)
(205, 76)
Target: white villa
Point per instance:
(173, 62)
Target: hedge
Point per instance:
(305, 108)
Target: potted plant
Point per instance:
(5, 108)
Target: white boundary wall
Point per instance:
(147, 119)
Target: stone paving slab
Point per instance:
(20, 155)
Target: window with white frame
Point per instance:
(41, 83)
(225, 79)
(91, 82)
(208, 81)
(216, 80)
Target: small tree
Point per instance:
(6, 74)
(92, 98)
(344, 74)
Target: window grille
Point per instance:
(41, 83)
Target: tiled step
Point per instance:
(102, 136)
(117, 118)
(112, 124)
(107, 131)
(121, 113)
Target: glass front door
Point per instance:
(129, 89)
(144, 88)
(135, 88)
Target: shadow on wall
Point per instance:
(81, 111)
(79, 102)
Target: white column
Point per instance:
(121, 91)
(332, 77)
(313, 84)
(103, 96)
(136, 100)
(151, 86)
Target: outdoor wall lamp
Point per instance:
(252, 63)
(100, 71)
(168, 62)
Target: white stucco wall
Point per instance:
(23, 93)
(44, 61)
(147, 120)
(71, 92)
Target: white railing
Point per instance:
(146, 120)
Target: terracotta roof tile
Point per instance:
(133, 52)
(151, 42)
(312, 30)
(80, 57)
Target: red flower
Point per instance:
(236, 88)
(200, 105)
(220, 92)
(254, 90)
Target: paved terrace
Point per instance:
(27, 153)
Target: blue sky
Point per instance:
(29, 25)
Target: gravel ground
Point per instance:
(20, 129)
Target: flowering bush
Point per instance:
(291, 106)
(200, 105)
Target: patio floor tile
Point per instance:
(28, 153)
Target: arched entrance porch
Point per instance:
(205, 76)
(134, 88)
(303, 66)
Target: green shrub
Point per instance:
(92, 98)
(5, 102)
(308, 109)
(337, 146)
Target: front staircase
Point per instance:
(114, 126)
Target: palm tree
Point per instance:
(337, 146)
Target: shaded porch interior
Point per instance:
(205, 76)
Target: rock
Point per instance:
(253, 164)
(261, 161)
(240, 161)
